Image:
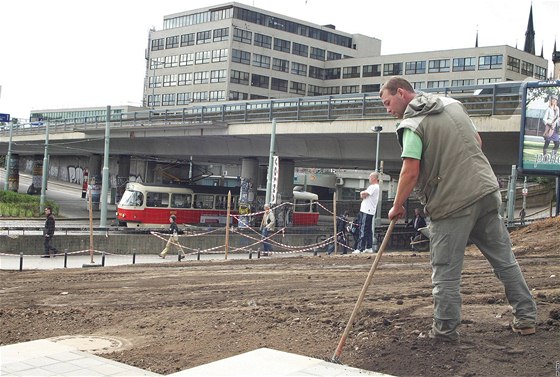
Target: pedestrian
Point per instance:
(369, 196)
(440, 149)
(173, 239)
(417, 222)
(267, 226)
(48, 234)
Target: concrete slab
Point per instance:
(61, 357)
(269, 362)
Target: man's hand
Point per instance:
(396, 212)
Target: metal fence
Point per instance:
(498, 99)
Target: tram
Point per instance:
(150, 205)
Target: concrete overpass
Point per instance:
(318, 132)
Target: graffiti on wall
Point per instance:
(75, 174)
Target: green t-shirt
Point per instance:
(412, 145)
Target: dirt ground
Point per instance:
(179, 315)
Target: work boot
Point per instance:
(523, 329)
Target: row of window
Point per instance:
(188, 78)
(191, 58)
(281, 85)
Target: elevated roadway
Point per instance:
(318, 132)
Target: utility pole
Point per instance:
(105, 173)
(45, 169)
(8, 158)
(271, 161)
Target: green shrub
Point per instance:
(22, 205)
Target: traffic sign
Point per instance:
(4, 117)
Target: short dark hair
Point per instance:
(395, 83)
(49, 208)
(173, 217)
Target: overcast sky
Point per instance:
(82, 53)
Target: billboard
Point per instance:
(539, 141)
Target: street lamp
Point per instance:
(377, 222)
(377, 130)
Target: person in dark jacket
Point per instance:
(173, 239)
(48, 233)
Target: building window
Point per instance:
(299, 69)
(513, 64)
(331, 90)
(204, 37)
(280, 65)
(490, 62)
(279, 84)
(526, 68)
(317, 53)
(392, 69)
(157, 63)
(373, 70)
(540, 73)
(258, 96)
(186, 59)
(187, 40)
(437, 66)
(243, 36)
(202, 57)
(350, 72)
(239, 56)
(371, 88)
(418, 85)
(415, 68)
(184, 79)
(169, 80)
(154, 100)
(220, 55)
(221, 34)
(316, 72)
(168, 99)
(217, 95)
(300, 50)
(237, 96)
(157, 44)
(464, 64)
(466, 82)
(154, 82)
(281, 45)
(259, 81)
(333, 55)
(183, 98)
(172, 42)
(262, 61)
(239, 77)
(262, 40)
(297, 87)
(314, 90)
(201, 77)
(171, 61)
(347, 89)
(332, 73)
(200, 96)
(438, 84)
(218, 76)
(487, 81)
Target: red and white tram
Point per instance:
(150, 205)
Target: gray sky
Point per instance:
(80, 53)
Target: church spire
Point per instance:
(530, 35)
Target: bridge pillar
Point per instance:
(248, 192)
(13, 173)
(150, 172)
(122, 176)
(94, 184)
(36, 175)
(286, 179)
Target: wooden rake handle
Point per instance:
(338, 352)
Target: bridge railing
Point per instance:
(497, 99)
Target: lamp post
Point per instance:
(377, 130)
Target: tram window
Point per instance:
(302, 206)
(181, 200)
(157, 199)
(132, 198)
(204, 201)
(221, 201)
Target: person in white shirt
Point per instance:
(369, 196)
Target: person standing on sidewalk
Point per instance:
(369, 196)
(267, 225)
(173, 239)
(48, 233)
(443, 159)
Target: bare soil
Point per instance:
(179, 315)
